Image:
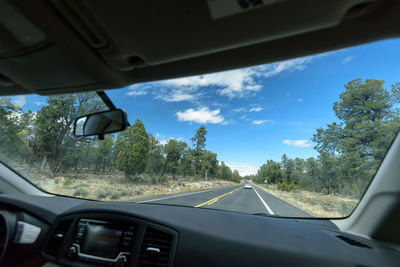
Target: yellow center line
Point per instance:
(213, 200)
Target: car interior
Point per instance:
(59, 46)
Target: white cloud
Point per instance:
(201, 115)
(256, 109)
(234, 83)
(20, 101)
(298, 143)
(237, 83)
(219, 105)
(348, 59)
(259, 122)
(39, 103)
(273, 69)
(163, 141)
(299, 99)
(239, 109)
(179, 94)
(243, 169)
(137, 90)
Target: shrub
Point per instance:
(355, 191)
(138, 193)
(103, 192)
(125, 192)
(118, 193)
(153, 179)
(291, 187)
(163, 179)
(137, 179)
(282, 186)
(324, 191)
(286, 187)
(81, 192)
(115, 195)
(77, 186)
(67, 182)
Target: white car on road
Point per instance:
(248, 186)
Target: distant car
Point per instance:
(248, 186)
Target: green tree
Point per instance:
(187, 162)
(209, 163)
(173, 151)
(236, 176)
(329, 171)
(312, 170)
(132, 148)
(224, 172)
(288, 167)
(103, 153)
(156, 160)
(15, 132)
(369, 120)
(53, 125)
(271, 171)
(199, 143)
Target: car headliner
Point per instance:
(59, 46)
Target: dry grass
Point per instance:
(315, 204)
(113, 187)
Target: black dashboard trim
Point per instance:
(106, 216)
(207, 237)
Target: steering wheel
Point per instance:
(4, 234)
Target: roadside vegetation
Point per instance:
(315, 204)
(350, 151)
(112, 186)
(40, 145)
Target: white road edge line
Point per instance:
(180, 195)
(262, 200)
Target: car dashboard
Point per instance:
(40, 230)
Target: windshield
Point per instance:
(297, 138)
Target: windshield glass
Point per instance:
(297, 138)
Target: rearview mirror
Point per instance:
(100, 123)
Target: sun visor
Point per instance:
(24, 47)
(23, 69)
(17, 33)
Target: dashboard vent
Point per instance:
(352, 241)
(156, 248)
(56, 239)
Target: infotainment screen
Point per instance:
(101, 241)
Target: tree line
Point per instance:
(44, 140)
(350, 150)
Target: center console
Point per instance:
(102, 242)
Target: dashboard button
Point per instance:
(121, 261)
(72, 251)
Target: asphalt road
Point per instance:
(232, 198)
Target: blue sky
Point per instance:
(257, 113)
